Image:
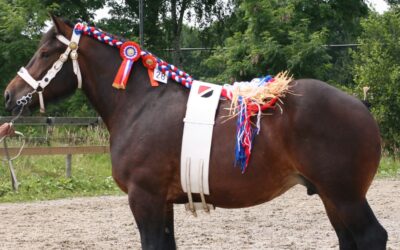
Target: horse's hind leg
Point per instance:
(361, 221)
(346, 240)
(356, 225)
(154, 218)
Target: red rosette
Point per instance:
(149, 61)
(130, 51)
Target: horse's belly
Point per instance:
(248, 191)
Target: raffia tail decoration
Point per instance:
(251, 99)
(260, 92)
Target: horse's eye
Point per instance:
(44, 54)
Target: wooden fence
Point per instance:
(67, 150)
(53, 121)
(53, 150)
(62, 150)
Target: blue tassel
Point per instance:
(240, 154)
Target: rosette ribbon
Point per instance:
(150, 62)
(130, 53)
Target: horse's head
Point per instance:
(50, 67)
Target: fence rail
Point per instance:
(69, 150)
(54, 121)
(50, 122)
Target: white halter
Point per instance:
(72, 51)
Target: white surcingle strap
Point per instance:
(71, 51)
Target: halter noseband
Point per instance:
(38, 86)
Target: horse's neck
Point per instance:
(119, 108)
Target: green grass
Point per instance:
(389, 167)
(43, 178)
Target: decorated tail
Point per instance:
(250, 99)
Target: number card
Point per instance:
(159, 76)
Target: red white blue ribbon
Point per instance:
(130, 52)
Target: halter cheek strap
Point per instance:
(71, 51)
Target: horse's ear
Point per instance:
(59, 24)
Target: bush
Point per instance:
(377, 65)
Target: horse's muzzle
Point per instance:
(11, 105)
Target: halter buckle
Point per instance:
(73, 45)
(74, 55)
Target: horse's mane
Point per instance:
(51, 33)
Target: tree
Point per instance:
(74, 9)
(163, 20)
(341, 19)
(393, 2)
(377, 65)
(291, 35)
(275, 39)
(20, 29)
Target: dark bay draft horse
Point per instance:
(324, 139)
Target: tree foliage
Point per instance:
(377, 65)
(163, 21)
(276, 38)
(21, 23)
(73, 9)
(291, 35)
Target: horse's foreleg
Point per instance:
(154, 218)
(169, 227)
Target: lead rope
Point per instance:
(22, 102)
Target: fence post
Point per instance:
(14, 181)
(68, 162)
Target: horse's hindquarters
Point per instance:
(334, 140)
(323, 137)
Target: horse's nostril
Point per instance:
(7, 98)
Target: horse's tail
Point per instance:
(367, 104)
(365, 100)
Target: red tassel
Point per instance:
(269, 104)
